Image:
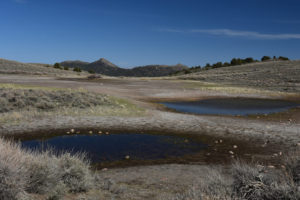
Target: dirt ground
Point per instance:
(280, 132)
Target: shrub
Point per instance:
(25, 172)
(91, 71)
(66, 68)
(249, 60)
(282, 58)
(75, 172)
(77, 69)
(265, 58)
(57, 66)
(253, 182)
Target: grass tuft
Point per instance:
(24, 172)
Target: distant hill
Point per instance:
(14, 67)
(73, 64)
(105, 67)
(271, 75)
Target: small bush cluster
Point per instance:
(57, 66)
(77, 69)
(23, 173)
(47, 100)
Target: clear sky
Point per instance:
(139, 32)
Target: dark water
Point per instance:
(232, 106)
(115, 147)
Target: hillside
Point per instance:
(73, 64)
(13, 67)
(272, 75)
(103, 66)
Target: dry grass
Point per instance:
(249, 182)
(24, 172)
(18, 103)
(280, 76)
(13, 67)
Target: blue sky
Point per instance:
(139, 32)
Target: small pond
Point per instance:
(232, 106)
(116, 147)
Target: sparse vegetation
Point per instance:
(233, 62)
(57, 66)
(77, 69)
(265, 58)
(24, 172)
(249, 182)
(20, 103)
(91, 71)
(12, 67)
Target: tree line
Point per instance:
(233, 62)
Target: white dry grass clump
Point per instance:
(24, 172)
(249, 182)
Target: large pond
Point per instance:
(232, 106)
(122, 146)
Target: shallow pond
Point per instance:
(231, 106)
(116, 147)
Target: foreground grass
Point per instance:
(24, 172)
(249, 182)
(25, 102)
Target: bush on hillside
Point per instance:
(265, 58)
(282, 58)
(57, 66)
(77, 69)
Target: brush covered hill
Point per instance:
(271, 75)
(103, 66)
(14, 67)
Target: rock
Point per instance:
(271, 166)
(106, 133)
(68, 132)
(127, 157)
(216, 141)
(231, 152)
(220, 141)
(99, 132)
(90, 132)
(104, 169)
(72, 130)
(235, 146)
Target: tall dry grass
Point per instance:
(249, 182)
(25, 172)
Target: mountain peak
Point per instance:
(105, 62)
